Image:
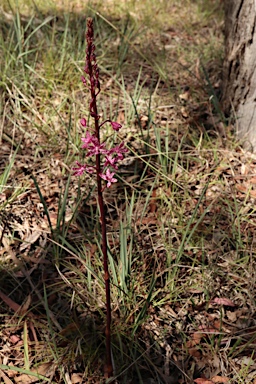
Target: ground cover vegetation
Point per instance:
(180, 218)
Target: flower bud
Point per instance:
(115, 126)
(83, 122)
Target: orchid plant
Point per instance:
(104, 170)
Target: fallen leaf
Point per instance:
(220, 379)
(246, 189)
(152, 203)
(194, 352)
(195, 339)
(29, 239)
(244, 169)
(252, 193)
(241, 188)
(185, 96)
(203, 381)
(206, 329)
(14, 306)
(76, 378)
(144, 121)
(148, 220)
(184, 112)
(14, 339)
(45, 369)
(25, 306)
(5, 378)
(195, 290)
(11, 372)
(232, 316)
(223, 301)
(252, 180)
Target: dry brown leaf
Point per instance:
(223, 301)
(184, 97)
(232, 316)
(246, 189)
(31, 238)
(244, 169)
(252, 180)
(148, 221)
(25, 379)
(203, 381)
(144, 121)
(152, 203)
(14, 306)
(195, 290)
(206, 329)
(241, 188)
(198, 69)
(45, 369)
(220, 379)
(121, 118)
(14, 339)
(11, 372)
(76, 378)
(194, 352)
(184, 112)
(5, 378)
(252, 193)
(25, 306)
(197, 336)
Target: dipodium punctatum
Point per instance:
(104, 169)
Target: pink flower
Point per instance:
(115, 126)
(90, 169)
(119, 150)
(110, 160)
(92, 144)
(83, 122)
(89, 139)
(96, 149)
(109, 177)
(78, 171)
(84, 80)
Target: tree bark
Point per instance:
(239, 73)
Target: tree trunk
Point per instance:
(239, 84)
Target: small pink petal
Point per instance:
(223, 301)
(79, 170)
(14, 339)
(109, 160)
(118, 149)
(83, 122)
(109, 177)
(89, 140)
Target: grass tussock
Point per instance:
(180, 220)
